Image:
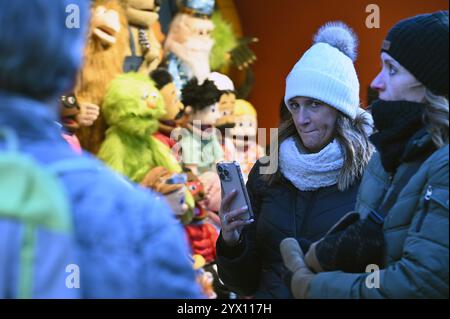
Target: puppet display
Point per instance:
(132, 108)
(103, 59)
(144, 52)
(189, 42)
(240, 145)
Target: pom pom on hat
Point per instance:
(339, 35)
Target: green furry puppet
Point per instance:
(132, 108)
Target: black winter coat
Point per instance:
(255, 266)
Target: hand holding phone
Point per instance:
(235, 211)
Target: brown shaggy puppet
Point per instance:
(104, 55)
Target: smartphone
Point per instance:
(231, 178)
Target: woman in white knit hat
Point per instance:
(323, 150)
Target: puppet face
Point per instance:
(195, 187)
(133, 96)
(69, 112)
(245, 128)
(226, 109)
(207, 116)
(177, 201)
(105, 25)
(190, 37)
(143, 13)
(172, 101)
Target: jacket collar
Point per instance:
(419, 147)
(29, 118)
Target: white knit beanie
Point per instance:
(326, 71)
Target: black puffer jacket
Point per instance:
(255, 267)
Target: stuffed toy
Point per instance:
(175, 109)
(204, 278)
(200, 145)
(202, 236)
(240, 143)
(144, 52)
(227, 101)
(73, 116)
(202, 197)
(174, 188)
(189, 42)
(132, 108)
(69, 110)
(103, 60)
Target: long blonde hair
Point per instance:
(353, 138)
(436, 118)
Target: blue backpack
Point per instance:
(37, 250)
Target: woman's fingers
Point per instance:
(232, 221)
(238, 224)
(227, 201)
(235, 214)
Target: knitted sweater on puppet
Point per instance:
(132, 108)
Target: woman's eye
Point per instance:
(145, 96)
(392, 69)
(241, 124)
(294, 106)
(315, 104)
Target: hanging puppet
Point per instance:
(189, 43)
(227, 101)
(200, 145)
(132, 108)
(103, 60)
(144, 52)
(204, 278)
(73, 116)
(175, 109)
(173, 186)
(240, 145)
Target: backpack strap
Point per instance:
(380, 214)
(72, 165)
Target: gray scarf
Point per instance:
(309, 172)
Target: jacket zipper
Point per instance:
(426, 207)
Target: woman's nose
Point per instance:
(302, 116)
(378, 83)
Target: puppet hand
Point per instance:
(88, 114)
(242, 56)
(294, 260)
